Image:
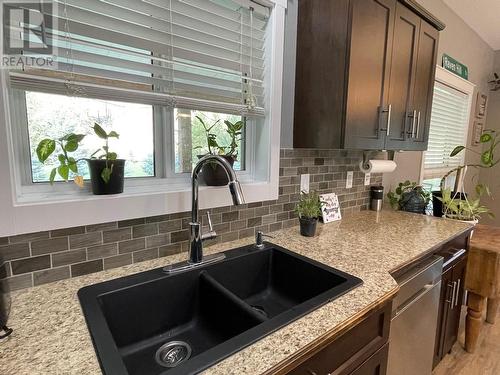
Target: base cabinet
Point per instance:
(361, 350)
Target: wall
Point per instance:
(491, 177)
(464, 44)
(42, 257)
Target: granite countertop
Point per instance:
(50, 335)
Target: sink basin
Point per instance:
(155, 323)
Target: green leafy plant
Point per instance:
(457, 205)
(68, 165)
(309, 205)
(397, 197)
(465, 209)
(105, 154)
(234, 130)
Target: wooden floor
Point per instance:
(485, 360)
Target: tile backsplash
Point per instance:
(37, 258)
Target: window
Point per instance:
(449, 126)
(150, 71)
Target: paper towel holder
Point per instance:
(366, 156)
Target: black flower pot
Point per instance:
(308, 226)
(115, 183)
(213, 174)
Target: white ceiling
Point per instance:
(483, 16)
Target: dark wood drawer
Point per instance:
(376, 364)
(347, 352)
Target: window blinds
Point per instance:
(448, 129)
(203, 54)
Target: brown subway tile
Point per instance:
(131, 222)
(51, 275)
(117, 261)
(131, 245)
(222, 228)
(158, 240)
(157, 219)
(237, 225)
(268, 219)
(145, 230)
(4, 240)
(231, 236)
(117, 235)
(14, 251)
(230, 216)
(14, 283)
(261, 211)
(30, 264)
(170, 250)
(170, 226)
(28, 237)
(86, 267)
(179, 236)
(254, 222)
(67, 231)
(102, 251)
(275, 226)
(255, 204)
(142, 255)
(101, 227)
(244, 233)
(84, 240)
(68, 257)
(4, 270)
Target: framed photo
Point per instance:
(477, 131)
(330, 207)
(481, 104)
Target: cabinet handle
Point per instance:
(458, 292)
(389, 111)
(451, 285)
(413, 121)
(418, 125)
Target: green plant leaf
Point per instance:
(63, 171)
(71, 146)
(62, 159)
(457, 150)
(45, 148)
(485, 137)
(99, 131)
(112, 156)
(113, 134)
(106, 173)
(72, 165)
(52, 175)
(486, 157)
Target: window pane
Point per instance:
(191, 138)
(53, 116)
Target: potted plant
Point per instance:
(409, 197)
(106, 170)
(456, 204)
(309, 209)
(213, 174)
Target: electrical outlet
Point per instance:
(304, 183)
(367, 179)
(348, 181)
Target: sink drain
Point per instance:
(260, 310)
(173, 353)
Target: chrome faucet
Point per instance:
(196, 237)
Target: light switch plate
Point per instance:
(367, 179)
(304, 183)
(348, 181)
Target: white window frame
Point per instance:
(64, 205)
(452, 80)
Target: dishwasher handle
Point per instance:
(408, 303)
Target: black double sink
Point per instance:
(153, 323)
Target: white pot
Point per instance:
(473, 222)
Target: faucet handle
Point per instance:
(259, 239)
(211, 233)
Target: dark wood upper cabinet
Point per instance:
(364, 76)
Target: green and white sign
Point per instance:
(449, 63)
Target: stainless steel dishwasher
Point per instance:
(414, 319)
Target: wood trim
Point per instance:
(296, 359)
(424, 13)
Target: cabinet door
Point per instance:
(375, 365)
(444, 307)
(424, 85)
(453, 319)
(404, 60)
(371, 34)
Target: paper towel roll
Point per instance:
(378, 166)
